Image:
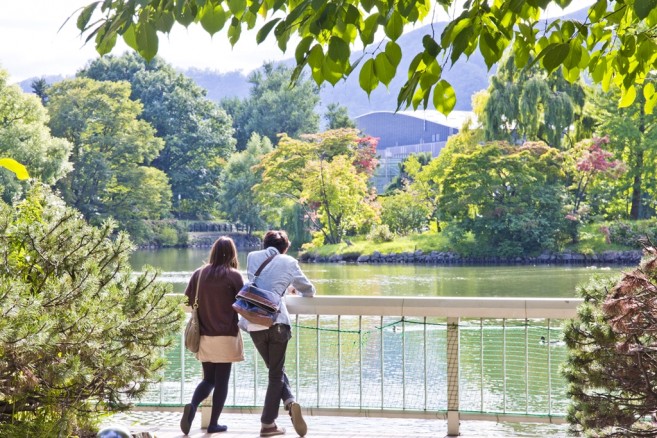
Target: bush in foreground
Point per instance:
(78, 329)
(612, 362)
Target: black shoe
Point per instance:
(188, 416)
(217, 428)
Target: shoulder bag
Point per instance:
(193, 328)
(257, 305)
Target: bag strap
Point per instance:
(198, 281)
(265, 263)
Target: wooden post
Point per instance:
(453, 376)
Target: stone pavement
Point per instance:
(163, 424)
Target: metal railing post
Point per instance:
(453, 376)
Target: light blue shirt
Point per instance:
(280, 273)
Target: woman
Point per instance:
(221, 341)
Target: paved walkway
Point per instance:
(166, 425)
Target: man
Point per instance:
(271, 342)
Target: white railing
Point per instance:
(450, 358)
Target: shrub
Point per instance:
(380, 233)
(612, 360)
(78, 330)
(631, 233)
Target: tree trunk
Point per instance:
(635, 209)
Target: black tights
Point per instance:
(215, 376)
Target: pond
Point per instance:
(556, 281)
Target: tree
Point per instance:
(509, 197)
(591, 162)
(274, 106)
(26, 138)
(614, 44)
(326, 175)
(197, 133)
(612, 362)
(529, 105)
(633, 139)
(417, 161)
(404, 211)
(427, 179)
(111, 150)
(79, 329)
(337, 198)
(337, 117)
(40, 87)
(237, 199)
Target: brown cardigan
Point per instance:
(216, 295)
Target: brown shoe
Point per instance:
(297, 419)
(272, 431)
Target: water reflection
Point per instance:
(177, 266)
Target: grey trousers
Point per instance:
(272, 344)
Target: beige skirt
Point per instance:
(221, 349)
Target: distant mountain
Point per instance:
(467, 77)
(220, 85)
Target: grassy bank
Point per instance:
(592, 241)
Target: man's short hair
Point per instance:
(278, 239)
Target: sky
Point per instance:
(33, 45)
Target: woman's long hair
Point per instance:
(223, 254)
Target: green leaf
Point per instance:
(105, 42)
(16, 167)
(332, 71)
(237, 7)
(302, 49)
(265, 29)
(598, 10)
(367, 77)
(234, 31)
(642, 8)
(394, 53)
(430, 45)
(370, 26)
(460, 44)
(555, 55)
(147, 40)
(430, 76)
(367, 4)
(130, 37)
(628, 95)
(572, 75)
(444, 97)
(395, 26)
(85, 16)
(516, 5)
(407, 91)
(183, 13)
(648, 90)
(421, 95)
(213, 18)
(650, 101)
(338, 50)
(385, 71)
(488, 48)
(316, 56)
(164, 22)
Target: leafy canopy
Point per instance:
(614, 44)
